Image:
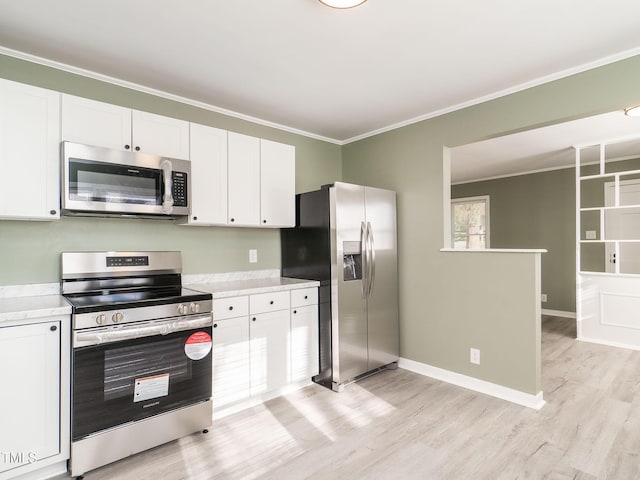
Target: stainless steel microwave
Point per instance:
(103, 181)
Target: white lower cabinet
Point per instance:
(231, 374)
(35, 396)
(270, 356)
(304, 343)
(263, 343)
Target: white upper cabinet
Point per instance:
(244, 180)
(239, 180)
(208, 176)
(160, 135)
(277, 184)
(29, 152)
(106, 125)
(95, 123)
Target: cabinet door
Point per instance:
(277, 184)
(30, 379)
(29, 152)
(231, 373)
(304, 343)
(95, 123)
(160, 135)
(244, 180)
(208, 175)
(270, 355)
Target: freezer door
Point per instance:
(382, 302)
(348, 309)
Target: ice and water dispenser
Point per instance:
(351, 261)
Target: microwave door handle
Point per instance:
(167, 198)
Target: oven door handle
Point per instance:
(97, 336)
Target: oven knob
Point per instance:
(101, 318)
(194, 308)
(183, 309)
(117, 317)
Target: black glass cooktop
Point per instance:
(120, 299)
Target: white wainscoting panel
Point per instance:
(610, 309)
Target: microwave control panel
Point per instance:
(179, 189)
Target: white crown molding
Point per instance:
(141, 88)
(158, 93)
(505, 393)
(501, 93)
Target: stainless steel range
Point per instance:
(142, 358)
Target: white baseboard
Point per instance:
(558, 313)
(608, 343)
(514, 396)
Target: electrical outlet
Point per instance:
(253, 256)
(474, 356)
(543, 297)
(590, 234)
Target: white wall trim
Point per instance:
(476, 101)
(505, 393)
(158, 93)
(558, 313)
(518, 174)
(608, 343)
(502, 93)
(494, 250)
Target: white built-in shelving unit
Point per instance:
(608, 241)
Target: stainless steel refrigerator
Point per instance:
(345, 237)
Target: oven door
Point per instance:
(130, 372)
(102, 180)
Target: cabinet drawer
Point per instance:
(304, 296)
(269, 302)
(230, 307)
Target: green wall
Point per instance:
(435, 327)
(30, 251)
(536, 211)
(449, 301)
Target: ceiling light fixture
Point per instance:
(632, 111)
(342, 3)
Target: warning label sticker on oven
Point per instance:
(198, 345)
(147, 388)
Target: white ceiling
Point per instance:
(336, 74)
(544, 148)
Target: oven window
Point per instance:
(122, 366)
(119, 382)
(112, 183)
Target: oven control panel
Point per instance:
(132, 261)
(137, 314)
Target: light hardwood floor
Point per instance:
(400, 425)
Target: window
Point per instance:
(470, 222)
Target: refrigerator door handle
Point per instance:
(372, 260)
(365, 259)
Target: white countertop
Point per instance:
(252, 286)
(19, 304)
(17, 309)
